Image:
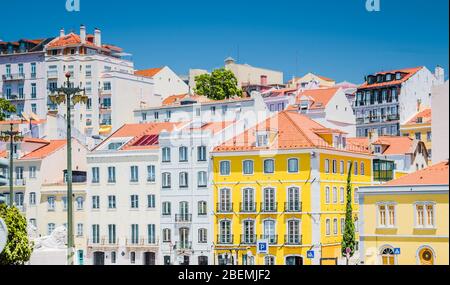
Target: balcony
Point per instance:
(248, 207)
(394, 117)
(183, 245)
(269, 208)
(14, 77)
(374, 119)
(272, 239)
(224, 208)
(15, 97)
(52, 74)
(293, 207)
(248, 239)
(105, 108)
(183, 218)
(293, 239)
(225, 239)
(359, 121)
(106, 122)
(16, 182)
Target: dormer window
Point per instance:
(388, 77)
(419, 120)
(377, 149)
(380, 78)
(115, 145)
(262, 140)
(398, 76)
(304, 106)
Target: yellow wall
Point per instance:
(412, 129)
(405, 236)
(281, 180)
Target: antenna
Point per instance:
(238, 54)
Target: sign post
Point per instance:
(262, 247)
(3, 235)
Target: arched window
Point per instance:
(269, 260)
(166, 154)
(183, 154)
(387, 256)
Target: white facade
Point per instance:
(109, 82)
(168, 83)
(440, 123)
(23, 82)
(213, 111)
(187, 228)
(122, 230)
(337, 114)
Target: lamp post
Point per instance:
(70, 96)
(11, 136)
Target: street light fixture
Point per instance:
(70, 96)
(11, 136)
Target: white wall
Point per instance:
(440, 123)
(168, 83)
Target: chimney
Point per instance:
(439, 73)
(97, 37)
(62, 33)
(83, 34)
(373, 136)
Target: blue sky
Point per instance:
(337, 39)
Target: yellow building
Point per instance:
(405, 221)
(419, 127)
(284, 181)
(52, 213)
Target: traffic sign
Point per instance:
(3, 235)
(310, 254)
(397, 251)
(263, 247)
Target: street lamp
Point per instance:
(70, 96)
(11, 136)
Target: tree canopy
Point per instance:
(18, 248)
(219, 85)
(5, 107)
(348, 240)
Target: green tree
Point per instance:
(219, 85)
(18, 248)
(5, 107)
(348, 240)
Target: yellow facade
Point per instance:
(418, 244)
(314, 211)
(413, 130)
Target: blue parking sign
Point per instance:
(310, 254)
(263, 247)
(396, 251)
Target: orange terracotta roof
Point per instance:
(44, 151)
(290, 130)
(409, 73)
(137, 131)
(214, 127)
(68, 40)
(173, 99)
(22, 122)
(148, 72)
(425, 115)
(434, 175)
(325, 78)
(395, 145)
(320, 97)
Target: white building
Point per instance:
(123, 197)
(328, 106)
(187, 191)
(23, 76)
(113, 89)
(39, 188)
(440, 122)
(186, 108)
(166, 82)
(390, 98)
